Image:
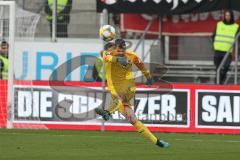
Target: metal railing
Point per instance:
(235, 61)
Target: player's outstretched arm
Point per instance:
(122, 60)
(139, 63)
(110, 58)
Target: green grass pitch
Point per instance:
(96, 145)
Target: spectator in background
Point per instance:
(98, 65)
(63, 16)
(116, 20)
(97, 69)
(223, 40)
(4, 60)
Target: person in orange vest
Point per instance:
(4, 60)
(64, 8)
(223, 40)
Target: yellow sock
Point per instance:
(145, 131)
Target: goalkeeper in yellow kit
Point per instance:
(120, 81)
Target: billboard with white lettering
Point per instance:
(218, 108)
(186, 108)
(42, 104)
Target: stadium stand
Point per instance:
(84, 16)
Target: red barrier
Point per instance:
(3, 103)
(210, 109)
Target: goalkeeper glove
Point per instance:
(149, 82)
(122, 60)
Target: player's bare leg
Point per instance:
(128, 113)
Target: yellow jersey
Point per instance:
(119, 77)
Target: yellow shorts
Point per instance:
(121, 98)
